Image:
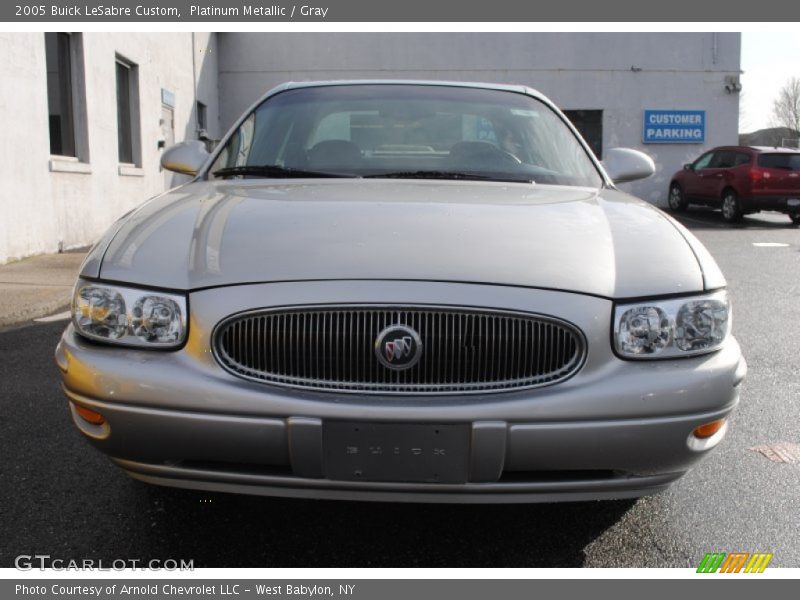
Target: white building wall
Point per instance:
(44, 208)
(622, 74)
(27, 212)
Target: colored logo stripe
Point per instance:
(734, 562)
(758, 562)
(711, 562)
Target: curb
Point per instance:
(26, 315)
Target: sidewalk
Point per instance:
(37, 286)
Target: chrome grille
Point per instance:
(463, 350)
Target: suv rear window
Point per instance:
(790, 162)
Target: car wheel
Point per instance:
(795, 219)
(676, 200)
(731, 211)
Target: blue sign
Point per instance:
(674, 127)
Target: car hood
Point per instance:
(205, 234)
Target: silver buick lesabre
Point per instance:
(404, 291)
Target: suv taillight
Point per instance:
(757, 176)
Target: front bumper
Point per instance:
(617, 429)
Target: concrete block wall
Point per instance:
(619, 73)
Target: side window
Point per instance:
(704, 161)
(237, 149)
(66, 101)
(723, 160)
(589, 124)
(742, 158)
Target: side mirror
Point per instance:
(626, 164)
(186, 158)
(687, 167)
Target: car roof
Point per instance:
(470, 84)
(760, 149)
(519, 89)
(778, 149)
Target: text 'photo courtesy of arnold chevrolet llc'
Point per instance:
(372, 365)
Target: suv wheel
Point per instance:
(731, 211)
(676, 200)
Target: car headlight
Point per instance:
(128, 316)
(672, 328)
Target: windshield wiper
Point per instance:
(274, 171)
(447, 175)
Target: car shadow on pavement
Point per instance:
(225, 530)
(708, 218)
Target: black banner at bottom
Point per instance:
(731, 586)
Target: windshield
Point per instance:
(400, 130)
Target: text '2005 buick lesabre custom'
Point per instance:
(402, 291)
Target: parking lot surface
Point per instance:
(62, 498)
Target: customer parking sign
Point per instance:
(674, 127)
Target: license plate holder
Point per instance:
(390, 452)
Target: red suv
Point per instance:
(740, 180)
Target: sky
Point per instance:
(768, 60)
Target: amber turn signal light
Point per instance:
(709, 429)
(95, 418)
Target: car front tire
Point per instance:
(731, 209)
(677, 201)
(795, 219)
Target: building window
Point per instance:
(128, 142)
(202, 122)
(62, 51)
(590, 125)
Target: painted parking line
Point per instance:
(770, 245)
(62, 316)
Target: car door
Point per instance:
(695, 178)
(717, 175)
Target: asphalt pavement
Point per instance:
(62, 498)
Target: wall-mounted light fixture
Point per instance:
(732, 84)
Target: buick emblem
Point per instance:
(398, 347)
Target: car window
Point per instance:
(703, 161)
(238, 147)
(786, 161)
(369, 130)
(723, 159)
(375, 133)
(742, 158)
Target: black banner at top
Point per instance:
(472, 11)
